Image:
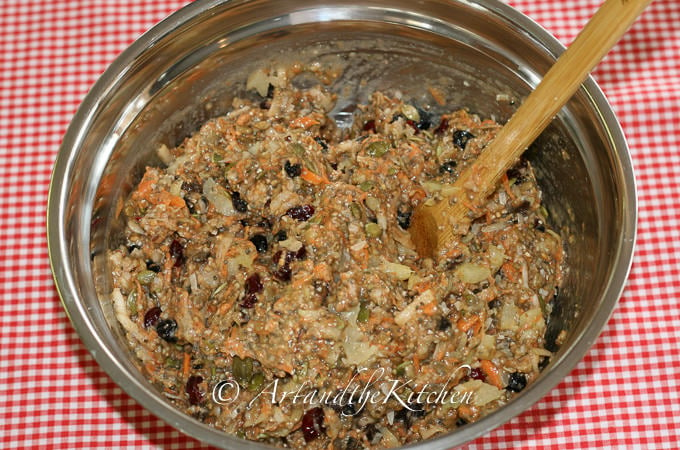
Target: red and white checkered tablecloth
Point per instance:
(624, 394)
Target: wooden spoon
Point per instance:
(433, 227)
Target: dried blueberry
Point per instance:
(495, 303)
(292, 170)
(281, 235)
(461, 138)
(260, 242)
(312, 424)
(539, 225)
(132, 247)
(152, 316)
(408, 415)
(372, 433)
(152, 266)
(516, 382)
(166, 330)
(521, 207)
(448, 167)
(404, 218)
(301, 213)
(514, 173)
(193, 390)
(425, 121)
(264, 223)
(240, 205)
(321, 142)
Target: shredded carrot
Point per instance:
(437, 95)
(175, 201)
(243, 119)
(471, 322)
(186, 365)
(416, 363)
(491, 372)
(313, 178)
(506, 186)
(430, 308)
(304, 122)
(146, 185)
(465, 412)
(469, 206)
(322, 271)
(510, 272)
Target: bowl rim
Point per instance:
(68, 290)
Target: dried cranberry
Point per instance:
(461, 138)
(300, 254)
(276, 259)
(248, 301)
(192, 388)
(151, 317)
(260, 242)
(312, 424)
(443, 126)
(177, 252)
(254, 284)
(369, 126)
(284, 273)
(301, 213)
(166, 329)
(477, 374)
(413, 124)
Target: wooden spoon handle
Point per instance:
(599, 35)
(480, 179)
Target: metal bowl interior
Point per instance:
(484, 55)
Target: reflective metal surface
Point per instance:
(190, 66)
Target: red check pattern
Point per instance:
(52, 393)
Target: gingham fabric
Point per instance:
(624, 394)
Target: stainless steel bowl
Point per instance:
(483, 54)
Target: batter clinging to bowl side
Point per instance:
(269, 286)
